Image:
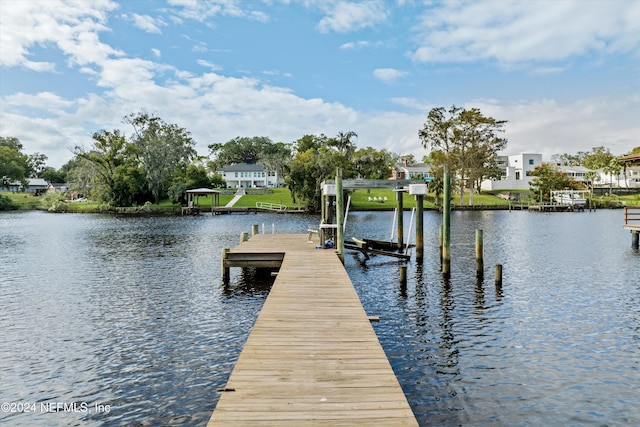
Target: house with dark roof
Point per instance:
(34, 186)
(249, 175)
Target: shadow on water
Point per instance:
(253, 282)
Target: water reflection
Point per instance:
(131, 312)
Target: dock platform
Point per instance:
(312, 357)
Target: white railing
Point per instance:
(270, 206)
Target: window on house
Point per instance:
(530, 161)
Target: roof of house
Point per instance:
(632, 158)
(574, 169)
(416, 167)
(33, 182)
(244, 167)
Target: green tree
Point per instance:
(36, 163)
(546, 178)
(188, 177)
(239, 150)
(316, 163)
(613, 168)
(109, 155)
(276, 157)
(373, 164)
(14, 165)
(597, 158)
(343, 143)
(468, 141)
(53, 176)
(161, 149)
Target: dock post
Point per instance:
(479, 255)
(339, 215)
(400, 222)
(440, 232)
(254, 230)
(403, 275)
(498, 275)
(419, 227)
(635, 239)
(446, 224)
(244, 236)
(225, 267)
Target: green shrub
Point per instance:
(53, 202)
(6, 203)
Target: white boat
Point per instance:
(570, 197)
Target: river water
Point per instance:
(109, 321)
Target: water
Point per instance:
(127, 318)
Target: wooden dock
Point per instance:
(312, 357)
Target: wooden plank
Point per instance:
(312, 357)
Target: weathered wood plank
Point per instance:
(312, 357)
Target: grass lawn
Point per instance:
(22, 200)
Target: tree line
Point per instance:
(158, 160)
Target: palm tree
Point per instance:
(613, 168)
(343, 143)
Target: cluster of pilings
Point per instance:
(332, 197)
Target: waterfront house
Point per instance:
(249, 175)
(35, 186)
(515, 172)
(414, 171)
(629, 177)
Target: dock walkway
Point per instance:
(312, 357)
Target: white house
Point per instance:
(414, 171)
(628, 177)
(249, 175)
(577, 173)
(516, 172)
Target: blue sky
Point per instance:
(565, 74)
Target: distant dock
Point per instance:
(632, 223)
(312, 357)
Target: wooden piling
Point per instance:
(403, 274)
(254, 230)
(498, 275)
(400, 221)
(419, 227)
(479, 255)
(635, 239)
(244, 236)
(440, 231)
(225, 267)
(339, 215)
(446, 224)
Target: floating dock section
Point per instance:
(312, 357)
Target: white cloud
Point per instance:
(202, 10)
(344, 16)
(71, 26)
(156, 52)
(388, 75)
(512, 32)
(355, 45)
(208, 64)
(147, 23)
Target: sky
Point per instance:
(564, 74)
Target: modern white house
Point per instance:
(249, 175)
(516, 172)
